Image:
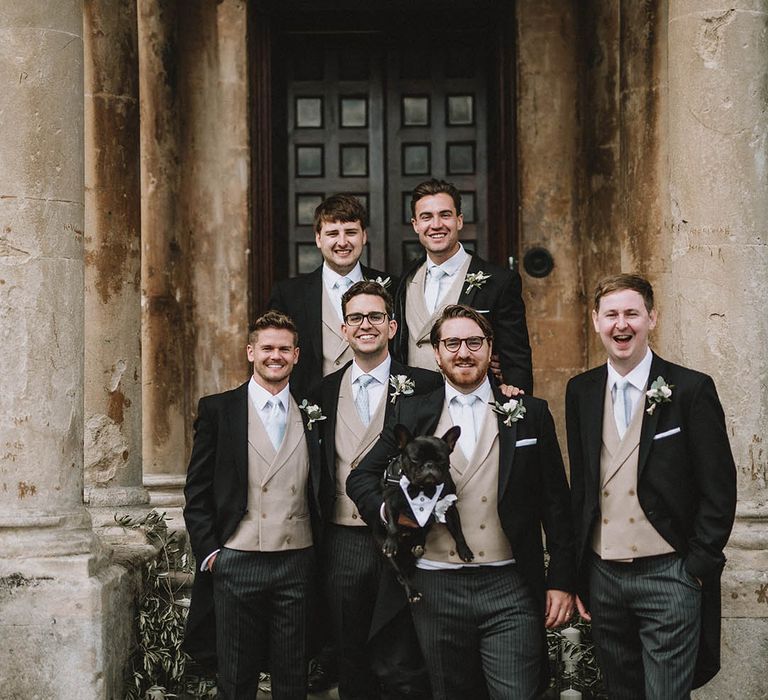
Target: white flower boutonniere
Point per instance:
(660, 392)
(313, 411)
(476, 279)
(383, 282)
(402, 385)
(442, 506)
(512, 411)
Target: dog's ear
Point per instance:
(402, 435)
(452, 436)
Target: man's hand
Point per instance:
(559, 608)
(583, 610)
(211, 562)
(510, 391)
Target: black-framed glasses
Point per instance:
(375, 318)
(474, 342)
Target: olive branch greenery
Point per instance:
(158, 663)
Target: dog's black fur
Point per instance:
(425, 460)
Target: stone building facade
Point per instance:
(143, 200)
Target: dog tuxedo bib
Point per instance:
(423, 506)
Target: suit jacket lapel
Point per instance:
(658, 368)
(330, 404)
(592, 430)
(507, 439)
(238, 421)
(314, 296)
(294, 433)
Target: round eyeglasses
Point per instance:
(474, 342)
(375, 318)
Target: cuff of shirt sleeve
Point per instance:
(204, 565)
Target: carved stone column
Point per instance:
(718, 145)
(113, 459)
(54, 583)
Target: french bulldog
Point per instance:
(422, 471)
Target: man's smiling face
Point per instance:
(341, 244)
(368, 339)
(273, 355)
(623, 323)
(465, 369)
(438, 225)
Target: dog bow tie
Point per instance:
(429, 491)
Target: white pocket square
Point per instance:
(483, 311)
(526, 442)
(667, 433)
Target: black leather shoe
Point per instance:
(322, 675)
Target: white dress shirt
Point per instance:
(331, 280)
(637, 380)
(450, 267)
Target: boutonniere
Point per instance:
(313, 411)
(660, 392)
(383, 282)
(476, 279)
(512, 411)
(402, 385)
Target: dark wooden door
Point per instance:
(374, 117)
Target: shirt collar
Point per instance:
(380, 373)
(330, 277)
(483, 392)
(259, 395)
(452, 265)
(637, 377)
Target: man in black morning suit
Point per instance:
(313, 300)
(481, 625)
(252, 513)
(447, 274)
(356, 401)
(654, 494)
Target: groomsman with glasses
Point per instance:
(379, 656)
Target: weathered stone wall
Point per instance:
(113, 460)
(549, 176)
(718, 194)
(195, 175)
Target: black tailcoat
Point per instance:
(686, 481)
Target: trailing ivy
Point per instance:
(158, 662)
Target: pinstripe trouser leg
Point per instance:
(481, 633)
(646, 618)
(352, 565)
(261, 607)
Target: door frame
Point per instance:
(268, 260)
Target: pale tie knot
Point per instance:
(343, 284)
(622, 406)
(362, 400)
(468, 437)
(275, 423)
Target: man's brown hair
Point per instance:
(272, 319)
(432, 187)
(340, 207)
(618, 283)
(459, 311)
(367, 287)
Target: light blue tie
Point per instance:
(468, 437)
(622, 406)
(275, 423)
(435, 290)
(362, 400)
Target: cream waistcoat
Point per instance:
(623, 532)
(353, 442)
(420, 321)
(477, 486)
(336, 350)
(278, 512)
